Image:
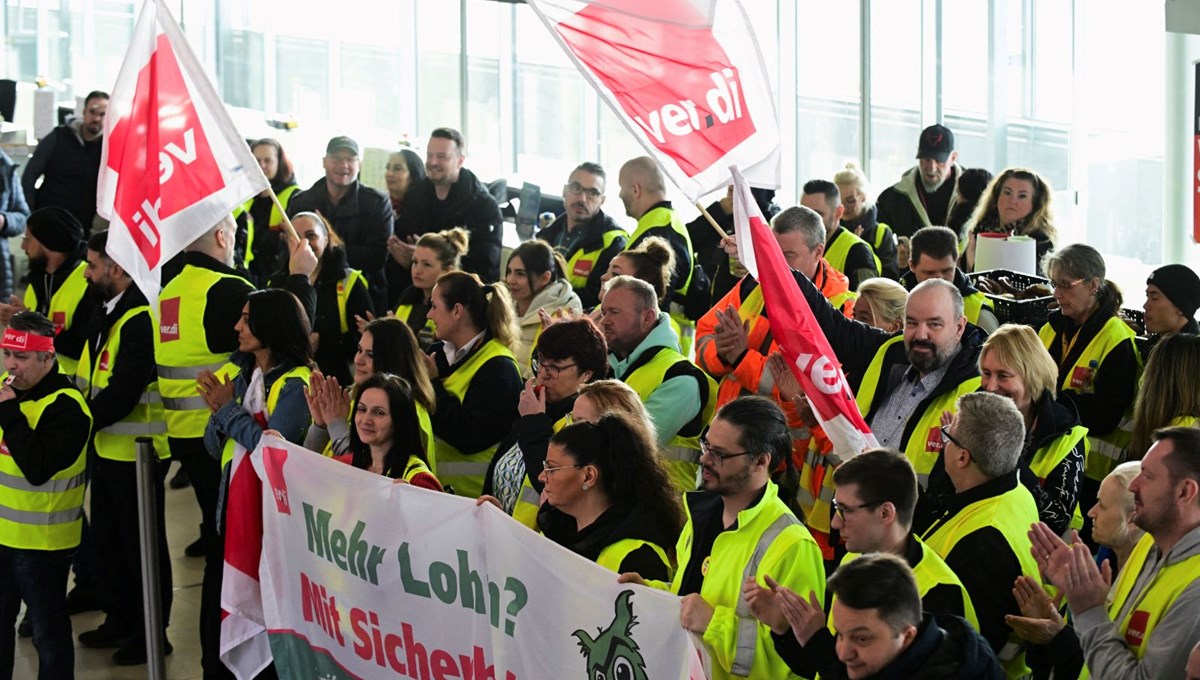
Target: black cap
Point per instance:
(341, 142)
(56, 229)
(1181, 286)
(937, 142)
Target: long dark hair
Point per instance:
(539, 258)
(395, 350)
(285, 175)
(406, 428)
(630, 470)
(416, 166)
(763, 429)
(279, 322)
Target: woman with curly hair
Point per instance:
(1016, 203)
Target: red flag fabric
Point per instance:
(685, 76)
(173, 164)
(244, 646)
(795, 329)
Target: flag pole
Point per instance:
(717, 227)
(286, 222)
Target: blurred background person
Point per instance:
(1172, 297)
(1016, 203)
(1170, 392)
(860, 218)
(260, 246)
(881, 303)
(972, 182)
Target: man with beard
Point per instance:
(57, 288)
(68, 162)
(740, 529)
(119, 379)
(1150, 626)
(905, 381)
(586, 237)
(925, 195)
(449, 196)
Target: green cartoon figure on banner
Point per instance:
(613, 654)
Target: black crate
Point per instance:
(1031, 312)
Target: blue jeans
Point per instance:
(39, 577)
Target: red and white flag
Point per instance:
(173, 163)
(795, 329)
(685, 76)
(244, 646)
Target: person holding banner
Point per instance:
(44, 425)
(118, 376)
(642, 352)
(569, 355)
(387, 435)
(739, 528)
(608, 497)
(644, 193)
(477, 383)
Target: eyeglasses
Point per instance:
(576, 188)
(551, 470)
(842, 509)
(1055, 285)
(552, 371)
(946, 437)
(717, 455)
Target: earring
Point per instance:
(586, 486)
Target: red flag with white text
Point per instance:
(685, 76)
(795, 329)
(173, 163)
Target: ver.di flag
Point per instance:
(173, 164)
(685, 76)
(365, 578)
(795, 329)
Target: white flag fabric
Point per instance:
(364, 578)
(173, 164)
(686, 77)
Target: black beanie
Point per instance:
(56, 229)
(1181, 286)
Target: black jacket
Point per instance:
(364, 221)
(135, 369)
(15, 211)
(532, 433)
(69, 342)
(886, 251)
(1115, 383)
(336, 349)
(69, 168)
(983, 560)
(897, 205)
(592, 239)
(62, 431)
(621, 521)
(468, 205)
(487, 410)
(945, 648)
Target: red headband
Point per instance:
(23, 341)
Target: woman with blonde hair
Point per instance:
(860, 217)
(476, 381)
(1013, 363)
(1169, 394)
(1016, 203)
(881, 304)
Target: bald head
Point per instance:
(217, 242)
(642, 185)
(933, 324)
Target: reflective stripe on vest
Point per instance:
(118, 441)
(924, 442)
(1011, 513)
(662, 217)
(613, 555)
(973, 303)
(302, 373)
(646, 376)
(181, 348)
(343, 296)
(61, 308)
(415, 467)
(582, 262)
(837, 253)
(465, 471)
(1107, 451)
(747, 625)
(47, 516)
(1139, 618)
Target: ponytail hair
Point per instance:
(538, 257)
(449, 246)
(653, 262)
(631, 472)
(488, 306)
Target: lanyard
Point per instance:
(1067, 346)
